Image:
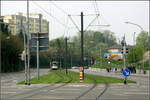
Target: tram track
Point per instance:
(37, 91)
(91, 88)
(42, 92)
(105, 89)
(85, 92)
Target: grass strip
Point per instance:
(54, 77)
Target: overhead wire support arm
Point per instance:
(74, 15)
(92, 15)
(74, 22)
(101, 25)
(91, 22)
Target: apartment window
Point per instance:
(13, 17)
(37, 21)
(17, 17)
(24, 19)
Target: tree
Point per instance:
(141, 40)
(11, 47)
(4, 28)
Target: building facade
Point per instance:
(115, 52)
(18, 22)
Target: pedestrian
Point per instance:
(115, 69)
(121, 69)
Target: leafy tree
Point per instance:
(93, 42)
(4, 28)
(142, 40)
(11, 48)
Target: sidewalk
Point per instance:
(138, 73)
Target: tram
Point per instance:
(54, 65)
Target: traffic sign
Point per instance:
(81, 68)
(43, 41)
(126, 72)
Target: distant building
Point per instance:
(19, 20)
(114, 52)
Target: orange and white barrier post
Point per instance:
(81, 73)
(81, 76)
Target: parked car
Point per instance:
(75, 67)
(85, 67)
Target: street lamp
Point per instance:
(135, 25)
(142, 30)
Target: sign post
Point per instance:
(126, 73)
(81, 73)
(39, 43)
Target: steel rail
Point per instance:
(38, 92)
(105, 89)
(85, 92)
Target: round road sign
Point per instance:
(81, 68)
(126, 72)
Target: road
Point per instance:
(71, 91)
(138, 91)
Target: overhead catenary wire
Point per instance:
(91, 22)
(96, 10)
(97, 14)
(73, 15)
(59, 8)
(65, 27)
(49, 14)
(50, 31)
(67, 15)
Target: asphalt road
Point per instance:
(9, 89)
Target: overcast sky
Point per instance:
(114, 13)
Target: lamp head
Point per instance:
(127, 22)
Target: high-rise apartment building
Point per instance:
(18, 22)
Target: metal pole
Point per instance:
(66, 56)
(28, 49)
(60, 62)
(38, 72)
(143, 57)
(134, 48)
(71, 61)
(25, 61)
(37, 49)
(124, 57)
(100, 56)
(82, 43)
(149, 51)
(124, 52)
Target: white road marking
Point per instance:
(79, 85)
(135, 93)
(7, 92)
(67, 89)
